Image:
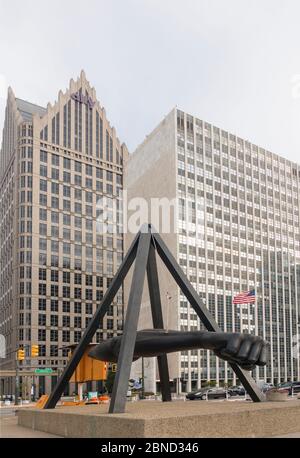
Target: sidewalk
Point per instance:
(12, 406)
(9, 428)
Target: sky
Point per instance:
(234, 63)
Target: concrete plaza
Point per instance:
(9, 428)
(176, 419)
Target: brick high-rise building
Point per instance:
(55, 164)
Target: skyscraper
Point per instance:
(56, 163)
(237, 229)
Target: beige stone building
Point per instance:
(55, 165)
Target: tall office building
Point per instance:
(56, 163)
(237, 229)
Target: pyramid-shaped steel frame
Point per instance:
(142, 250)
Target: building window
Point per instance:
(78, 167)
(66, 307)
(43, 170)
(77, 307)
(66, 336)
(43, 156)
(77, 336)
(89, 309)
(42, 320)
(77, 322)
(42, 289)
(54, 320)
(55, 160)
(67, 163)
(42, 304)
(66, 177)
(42, 335)
(53, 335)
(89, 170)
(54, 305)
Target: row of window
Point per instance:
(251, 151)
(79, 307)
(79, 167)
(54, 335)
(214, 156)
(88, 183)
(66, 322)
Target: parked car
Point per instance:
(8, 397)
(207, 393)
(292, 387)
(266, 387)
(236, 391)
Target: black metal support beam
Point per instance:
(93, 325)
(120, 388)
(202, 312)
(143, 248)
(158, 322)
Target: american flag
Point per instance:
(247, 297)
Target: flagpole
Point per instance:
(169, 297)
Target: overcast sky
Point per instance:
(234, 63)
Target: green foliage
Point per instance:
(209, 383)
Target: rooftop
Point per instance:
(28, 109)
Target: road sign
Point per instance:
(46, 370)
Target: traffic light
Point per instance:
(34, 351)
(21, 354)
(114, 368)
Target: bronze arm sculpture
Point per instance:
(242, 351)
(245, 350)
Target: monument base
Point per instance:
(152, 419)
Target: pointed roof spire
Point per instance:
(10, 92)
(82, 75)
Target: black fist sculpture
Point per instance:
(246, 350)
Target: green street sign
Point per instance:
(46, 370)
